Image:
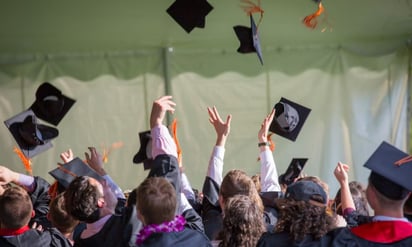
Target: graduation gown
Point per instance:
(280, 239)
(119, 230)
(33, 238)
(374, 234)
(187, 237)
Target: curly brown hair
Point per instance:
(243, 222)
(301, 218)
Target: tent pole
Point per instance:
(166, 75)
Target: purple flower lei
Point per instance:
(175, 225)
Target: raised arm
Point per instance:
(268, 172)
(222, 130)
(341, 174)
(95, 161)
(162, 141)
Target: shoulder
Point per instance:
(274, 239)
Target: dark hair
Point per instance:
(359, 199)
(59, 218)
(156, 200)
(300, 218)
(243, 222)
(237, 182)
(15, 207)
(408, 204)
(81, 199)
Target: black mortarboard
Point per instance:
(293, 171)
(306, 191)
(50, 104)
(289, 119)
(249, 39)
(190, 13)
(32, 137)
(391, 171)
(144, 155)
(65, 174)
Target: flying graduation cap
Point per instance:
(289, 119)
(50, 104)
(32, 137)
(65, 174)
(249, 36)
(249, 39)
(293, 171)
(190, 13)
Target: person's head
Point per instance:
(88, 200)
(16, 208)
(359, 198)
(58, 216)
(317, 180)
(156, 201)
(383, 193)
(237, 182)
(303, 211)
(243, 222)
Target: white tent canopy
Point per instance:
(116, 58)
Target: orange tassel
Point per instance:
(26, 161)
(404, 160)
(174, 133)
(53, 190)
(250, 7)
(311, 20)
(107, 151)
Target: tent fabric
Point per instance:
(357, 101)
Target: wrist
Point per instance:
(263, 144)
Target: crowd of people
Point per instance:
(231, 210)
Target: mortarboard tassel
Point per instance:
(251, 8)
(311, 20)
(26, 161)
(107, 151)
(53, 190)
(174, 133)
(404, 160)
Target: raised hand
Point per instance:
(159, 109)
(222, 128)
(95, 161)
(264, 127)
(341, 173)
(67, 156)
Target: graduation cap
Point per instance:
(249, 39)
(32, 137)
(391, 171)
(50, 104)
(293, 171)
(306, 191)
(65, 174)
(289, 119)
(190, 13)
(144, 155)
